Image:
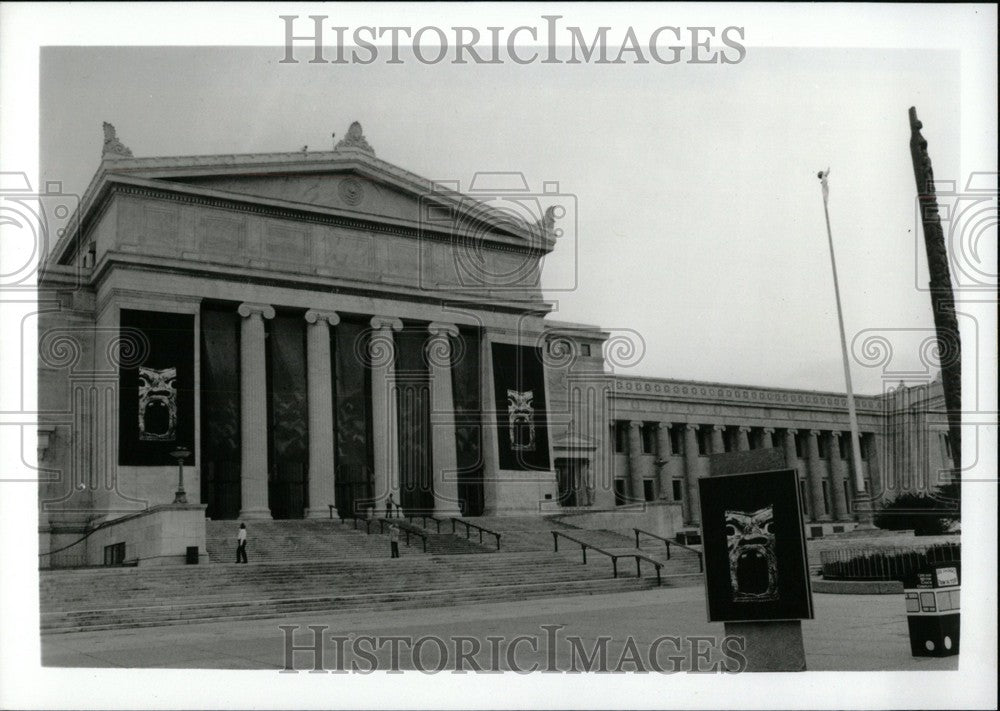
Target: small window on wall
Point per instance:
(826, 497)
(585, 349)
(648, 438)
(677, 489)
(803, 499)
(847, 496)
(114, 554)
(864, 437)
(799, 445)
(845, 445)
(647, 490)
(619, 492)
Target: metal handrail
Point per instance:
(354, 520)
(701, 560)
(424, 518)
(656, 564)
(407, 531)
(613, 556)
(481, 530)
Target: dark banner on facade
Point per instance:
(522, 422)
(755, 554)
(155, 387)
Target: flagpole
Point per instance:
(861, 499)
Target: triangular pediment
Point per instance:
(347, 190)
(349, 182)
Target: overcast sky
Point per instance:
(699, 220)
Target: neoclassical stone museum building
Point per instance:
(312, 332)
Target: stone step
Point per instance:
(153, 616)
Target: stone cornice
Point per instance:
(295, 280)
(696, 391)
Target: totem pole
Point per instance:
(942, 298)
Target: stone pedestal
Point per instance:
(771, 646)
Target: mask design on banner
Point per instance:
(753, 566)
(521, 418)
(157, 404)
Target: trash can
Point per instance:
(192, 555)
(933, 610)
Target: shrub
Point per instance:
(925, 515)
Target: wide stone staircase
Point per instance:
(328, 565)
(112, 598)
(305, 539)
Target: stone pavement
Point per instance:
(850, 633)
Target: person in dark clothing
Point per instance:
(389, 506)
(241, 544)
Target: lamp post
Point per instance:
(180, 454)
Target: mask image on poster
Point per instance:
(753, 565)
(157, 404)
(521, 418)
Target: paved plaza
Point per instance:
(850, 633)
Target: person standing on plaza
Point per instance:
(394, 541)
(389, 506)
(241, 544)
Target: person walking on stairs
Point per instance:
(394, 541)
(241, 544)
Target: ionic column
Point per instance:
(718, 445)
(792, 458)
(743, 439)
(870, 447)
(253, 411)
(946, 461)
(385, 424)
(322, 490)
(692, 512)
(663, 456)
(443, 451)
(838, 472)
(815, 476)
(634, 458)
(767, 441)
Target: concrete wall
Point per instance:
(159, 536)
(661, 518)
